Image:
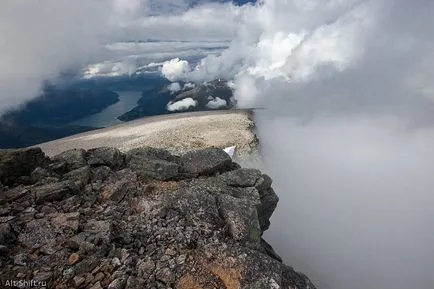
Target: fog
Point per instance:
(356, 199)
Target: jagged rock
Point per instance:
(105, 156)
(241, 177)
(269, 201)
(7, 235)
(37, 233)
(124, 182)
(73, 159)
(100, 174)
(263, 183)
(206, 161)
(99, 229)
(195, 199)
(3, 250)
(54, 191)
(242, 218)
(97, 219)
(78, 281)
(81, 174)
(118, 283)
(20, 259)
(68, 221)
(15, 164)
(14, 194)
(39, 174)
(153, 163)
(154, 168)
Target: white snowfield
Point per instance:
(178, 133)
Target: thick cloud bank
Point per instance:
(41, 39)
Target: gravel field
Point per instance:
(176, 132)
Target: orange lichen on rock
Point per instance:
(188, 282)
(229, 276)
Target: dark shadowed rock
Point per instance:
(269, 201)
(15, 164)
(54, 191)
(82, 174)
(105, 156)
(7, 235)
(15, 194)
(73, 159)
(39, 174)
(206, 161)
(263, 183)
(241, 177)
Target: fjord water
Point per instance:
(108, 116)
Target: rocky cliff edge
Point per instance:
(144, 219)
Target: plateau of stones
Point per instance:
(142, 219)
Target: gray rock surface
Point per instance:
(16, 165)
(144, 219)
(205, 161)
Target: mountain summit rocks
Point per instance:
(142, 219)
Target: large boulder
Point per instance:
(74, 158)
(206, 161)
(241, 177)
(54, 191)
(152, 163)
(105, 156)
(15, 164)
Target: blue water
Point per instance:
(108, 116)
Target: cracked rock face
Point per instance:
(144, 219)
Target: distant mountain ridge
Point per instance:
(46, 117)
(159, 100)
(59, 106)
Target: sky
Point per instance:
(347, 130)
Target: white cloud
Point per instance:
(181, 105)
(191, 25)
(189, 85)
(174, 87)
(216, 103)
(111, 69)
(38, 40)
(127, 58)
(175, 69)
